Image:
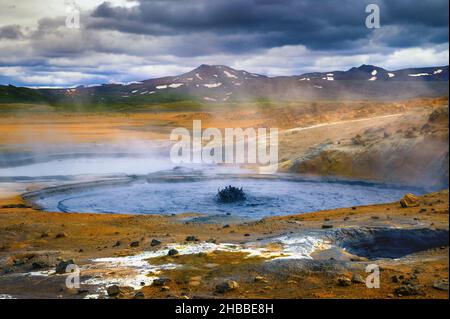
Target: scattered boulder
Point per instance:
(260, 279)
(134, 243)
(409, 200)
(113, 290)
(344, 281)
(155, 242)
(327, 226)
(62, 266)
(139, 295)
(441, 285)
(173, 252)
(117, 244)
(358, 279)
(161, 281)
(226, 286)
(409, 289)
(191, 238)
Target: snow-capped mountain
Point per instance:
(374, 73)
(222, 84)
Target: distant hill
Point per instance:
(222, 84)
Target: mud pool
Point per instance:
(194, 191)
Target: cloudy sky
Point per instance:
(131, 40)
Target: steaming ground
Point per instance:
(104, 163)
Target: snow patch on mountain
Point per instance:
(175, 85)
(212, 85)
(230, 75)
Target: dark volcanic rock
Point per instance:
(113, 290)
(226, 286)
(441, 285)
(134, 244)
(62, 266)
(161, 282)
(408, 290)
(155, 242)
(191, 238)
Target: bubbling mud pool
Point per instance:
(185, 191)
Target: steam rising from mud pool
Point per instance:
(133, 181)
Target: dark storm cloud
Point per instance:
(10, 32)
(325, 24)
(124, 42)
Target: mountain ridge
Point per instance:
(223, 84)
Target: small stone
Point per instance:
(247, 235)
(134, 243)
(226, 286)
(113, 290)
(260, 279)
(60, 235)
(172, 252)
(155, 242)
(159, 282)
(409, 200)
(357, 278)
(327, 226)
(441, 285)
(62, 266)
(191, 238)
(344, 281)
(395, 279)
(139, 295)
(408, 290)
(117, 244)
(226, 226)
(44, 235)
(212, 241)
